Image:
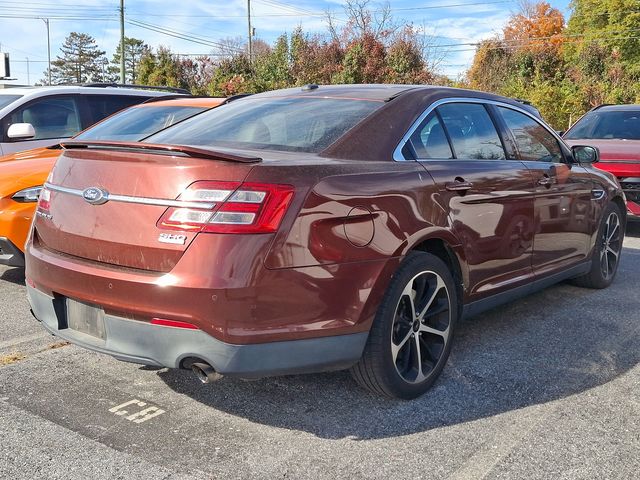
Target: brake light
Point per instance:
(44, 202)
(230, 208)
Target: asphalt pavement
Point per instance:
(545, 387)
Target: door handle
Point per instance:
(458, 186)
(546, 181)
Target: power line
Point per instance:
(180, 35)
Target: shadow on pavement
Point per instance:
(633, 229)
(553, 344)
(13, 275)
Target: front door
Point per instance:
(562, 194)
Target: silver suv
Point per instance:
(34, 117)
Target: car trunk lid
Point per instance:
(106, 200)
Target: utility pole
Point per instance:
(250, 30)
(46, 22)
(28, 75)
(122, 79)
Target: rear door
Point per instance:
(488, 197)
(562, 193)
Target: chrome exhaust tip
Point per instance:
(205, 372)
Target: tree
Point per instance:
(134, 50)
(81, 61)
(161, 68)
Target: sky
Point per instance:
(450, 25)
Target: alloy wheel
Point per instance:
(421, 327)
(611, 245)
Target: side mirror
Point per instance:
(21, 131)
(585, 154)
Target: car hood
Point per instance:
(612, 150)
(16, 175)
(42, 152)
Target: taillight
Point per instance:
(230, 208)
(44, 202)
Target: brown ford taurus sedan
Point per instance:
(317, 228)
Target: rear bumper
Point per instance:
(10, 254)
(143, 343)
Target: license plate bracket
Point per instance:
(85, 318)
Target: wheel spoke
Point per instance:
(436, 290)
(419, 375)
(613, 252)
(613, 231)
(435, 331)
(395, 349)
(410, 294)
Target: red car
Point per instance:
(615, 130)
(317, 228)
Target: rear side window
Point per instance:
(8, 100)
(101, 106)
(294, 124)
(429, 140)
(533, 141)
(472, 132)
(136, 123)
(52, 117)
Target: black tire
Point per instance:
(606, 251)
(397, 345)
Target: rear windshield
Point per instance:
(8, 99)
(603, 125)
(277, 123)
(136, 123)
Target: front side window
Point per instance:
(297, 124)
(533, 141)
(472, 132)
(53, 117)
(136, 123)
(429, 140)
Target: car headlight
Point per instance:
(30, 194)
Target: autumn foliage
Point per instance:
(564, 68)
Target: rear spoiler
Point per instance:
(187, 150)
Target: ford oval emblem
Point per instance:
(95, 196)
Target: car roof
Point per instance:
(61, 89)
(207, 102)
(617, 108)
(383, 92)
(380, 92)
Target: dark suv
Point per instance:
(317, 228)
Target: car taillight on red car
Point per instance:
(230, 207)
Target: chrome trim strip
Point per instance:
(397, 153)
(159, 202)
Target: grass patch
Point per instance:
(53, 346)
(11, 358)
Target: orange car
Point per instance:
(22, 174)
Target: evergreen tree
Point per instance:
(80, 61)
(134, 50)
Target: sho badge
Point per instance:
(172, 238)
